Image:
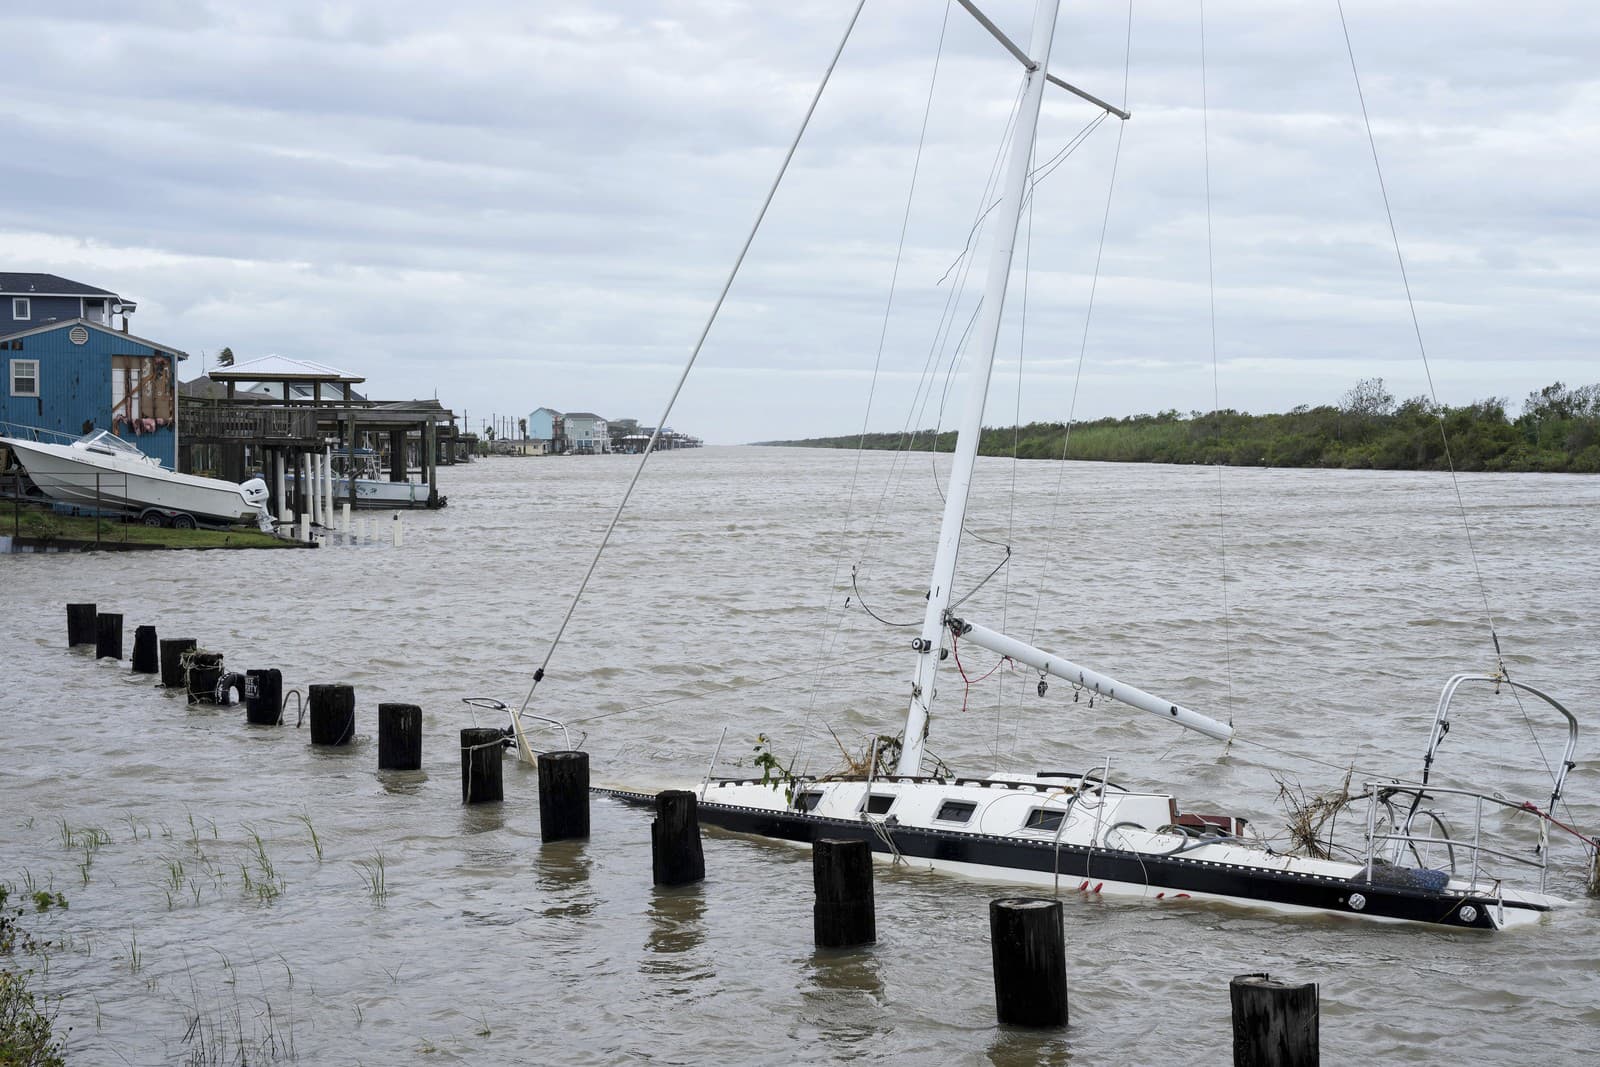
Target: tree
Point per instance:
(522, 429)
(1368, 398)
(225, 358)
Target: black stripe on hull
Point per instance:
(1172, 874)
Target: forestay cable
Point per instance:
(538, 675)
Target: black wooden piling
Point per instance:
(146, 652)
(201, 671)
(172, 651)
(676, 857)
(400, 737)
(1030, 961)
(263, 697)
(107, 636)
(80, 624)
(482, 748)
(333, 714)
(843, 914)
(1274, 1023)
(563, 795)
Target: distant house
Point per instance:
(28, 301)
(70, 376)
(544, 424)
(586, 432)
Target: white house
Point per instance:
(586, 432)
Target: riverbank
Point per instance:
(1558, 432)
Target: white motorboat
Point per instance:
(373, 489)
(1413, 848)
(101, 470)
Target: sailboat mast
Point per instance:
(931, 645)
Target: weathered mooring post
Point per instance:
(263, 697)
(482, 754)
(80, 624)
(676, 857)
(107, 636)
(1275, 1024)
(563, 795)
(172, 653)
(1030, 961)
(201, 672)
(146, 652)
(843, 915)
(332, 709)
(400, 737)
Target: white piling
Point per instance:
(344, 510)
(305, 527)
(282, 486)
(311, 488)
(399, 534)
(327, 483)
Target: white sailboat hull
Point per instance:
(75, 475)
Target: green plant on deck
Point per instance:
(773, 771)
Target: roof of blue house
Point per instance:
(26, 284)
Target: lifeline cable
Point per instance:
(538, 675)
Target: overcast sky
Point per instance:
(516, 205)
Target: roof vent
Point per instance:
(78, 335)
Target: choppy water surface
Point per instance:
(1351, 598)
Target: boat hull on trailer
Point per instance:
(74, 474)
(1099, 852)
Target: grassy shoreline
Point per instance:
(1558, 432)
(38, 525)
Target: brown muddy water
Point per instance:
(205, 926)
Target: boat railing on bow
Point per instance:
(1402, 836)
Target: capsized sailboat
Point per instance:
(1080, 830)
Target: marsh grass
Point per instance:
(304, 818)
(374, 874)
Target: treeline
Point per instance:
(1558, 430)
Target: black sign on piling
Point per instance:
(563, 795)
(146, 653)
(80, 624)
(1274, 1023)
(676, 857)
(482, 748)
(263, 697)
(332, 709)
(843, 915)
(1030, 961)
(107, 636)
(172, 652)
(201, 671)
(399, 737)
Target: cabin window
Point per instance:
(21, 308)
(808, 801)
(1046, 819)
(956, 811)
(141, 388)
(880, 803)
(24, 377)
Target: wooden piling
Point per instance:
(263, 697)
(107, 636)
(146, 652)
(482, 752)
(399, 737)
(80, 624)
(172, 651)
(1274, 1023)
(843, 915)
(332, 709)
(1030, 961)
(201, 672)
(563, 795)
(676, 857)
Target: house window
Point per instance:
(21, 308)
(24, 377)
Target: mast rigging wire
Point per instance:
(538, 674)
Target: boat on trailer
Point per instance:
(100, 470)
(1080, 831)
